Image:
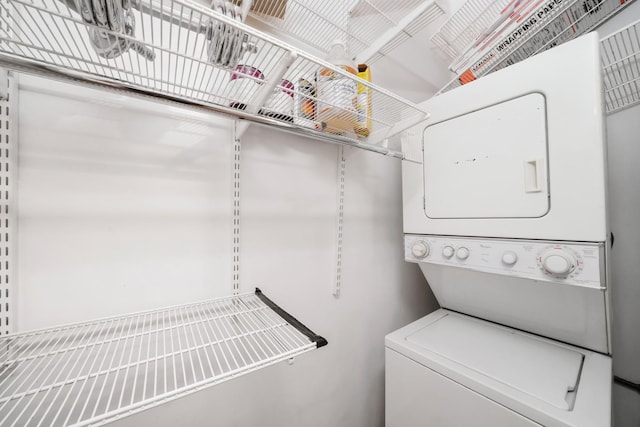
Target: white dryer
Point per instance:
(519, 153)
(504, 198)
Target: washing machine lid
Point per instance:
(538, 368)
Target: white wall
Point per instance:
(123, 206)
(623, 138)
(288, 220)
(122, 210)
(623, 131)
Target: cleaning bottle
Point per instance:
(337, 94)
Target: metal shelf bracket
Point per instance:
(379, 137)
(267, 90)
(387, 36)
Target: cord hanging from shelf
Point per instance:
(227, 45)
(115, 16)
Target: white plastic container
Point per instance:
(304, 103)
(245, 82)
(337, 94)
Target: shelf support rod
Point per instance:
(235, 182)
(379, 137)
(392, 32)
(267, 90)
(246, 6)
(4, 86)
(342, 167)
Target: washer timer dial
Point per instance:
(558, 261)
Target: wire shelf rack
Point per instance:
(179, 50)
(93, 373)
(466, 25)
(620, 54)
(508, 31)
(370, 28)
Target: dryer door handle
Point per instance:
(533, 175)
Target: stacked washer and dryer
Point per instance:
(504, 197)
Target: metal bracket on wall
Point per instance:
(266, 91)
(235, 199)
(342, 166)
(4, 88)
(8, 171)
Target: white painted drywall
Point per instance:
(623, 130)
(288, 249)
(123, 208)
(623, 139)
(626, 407)
(123, 205)
(623, 135)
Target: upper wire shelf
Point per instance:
(182, 51)
(96, 372)
(620, 54)
(370, 28)
(466, 25)
(488, 35)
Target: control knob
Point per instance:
(462, 253)
(509, 258)
(448, 251)
(420, 249)
(558, 262)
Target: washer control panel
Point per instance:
(565, 262)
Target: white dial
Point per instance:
(509, 258)
(420, 249)
(558, 262)
(462, 253)
(448, 251)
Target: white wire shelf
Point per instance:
(466, 25)
(488, 35)
(179, 50)
(93, 373)
(620, 54)
(370, 28)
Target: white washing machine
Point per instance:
(453, 370)
(505, 212)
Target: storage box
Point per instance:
(274, 8)
(363, 123)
